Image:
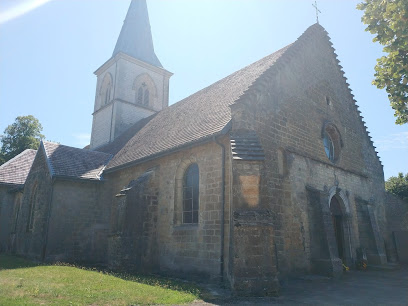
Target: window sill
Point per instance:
(189, 226)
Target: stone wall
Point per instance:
(186, 249)
(9, 206)
(133, 237)
(253, 264)
(289, 108)
(79, 222)
(125, 115)
(101, 126)
(34, 212)
(397, 221)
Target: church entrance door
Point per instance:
(337, 217)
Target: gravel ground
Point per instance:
(376, 286)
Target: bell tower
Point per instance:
(132, 84)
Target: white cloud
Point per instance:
(20, 8)
(392, 142)
(82, 139)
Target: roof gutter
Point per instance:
(77, 179)
(203, 140)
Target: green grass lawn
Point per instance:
(26, 283)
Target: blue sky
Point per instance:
(50, 49)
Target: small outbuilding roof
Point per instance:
(69, 162)
(15, 171)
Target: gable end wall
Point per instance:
(291, 109)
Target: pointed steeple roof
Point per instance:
(135, 38)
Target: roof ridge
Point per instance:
(230, 75)
(289, 50)
(75, 148)
(47, 158)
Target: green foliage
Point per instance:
(388, 20)
(24, 133)
(25, 283)
(398, 185)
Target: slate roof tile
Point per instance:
(246, 146)
(194, 118)
(15, 171)
(72, 162)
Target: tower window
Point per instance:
(105, 91)
(140, 95)
(143, 95)
(107, 94)
(146, 97)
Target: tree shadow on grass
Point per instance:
(8, 262)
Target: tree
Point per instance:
(388, 19)
(24, 133)
(398, 185)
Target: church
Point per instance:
(266, 174)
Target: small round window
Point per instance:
(332, 142)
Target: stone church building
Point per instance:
(265, 174)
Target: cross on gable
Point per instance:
(317, 11)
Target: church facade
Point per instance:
(267, 173)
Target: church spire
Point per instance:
(135, 38)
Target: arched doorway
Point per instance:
(338, 221)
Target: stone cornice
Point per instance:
(131, 59)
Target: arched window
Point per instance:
(328, 146)
(191, 194)
(140, 95)
(332, 142)
(31, 208)
(143, 95)
(146, 97)
(105, 92)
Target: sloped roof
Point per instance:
(197, 117)
(72, 162)
(246, 146)
(119, 142)
(15, 171)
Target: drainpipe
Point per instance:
(222, 208)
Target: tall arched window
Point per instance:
(31, 208)
(328, 146)
(140, 95)
(146, 97)
(191, 194)
(143, 95)
(105, 92)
